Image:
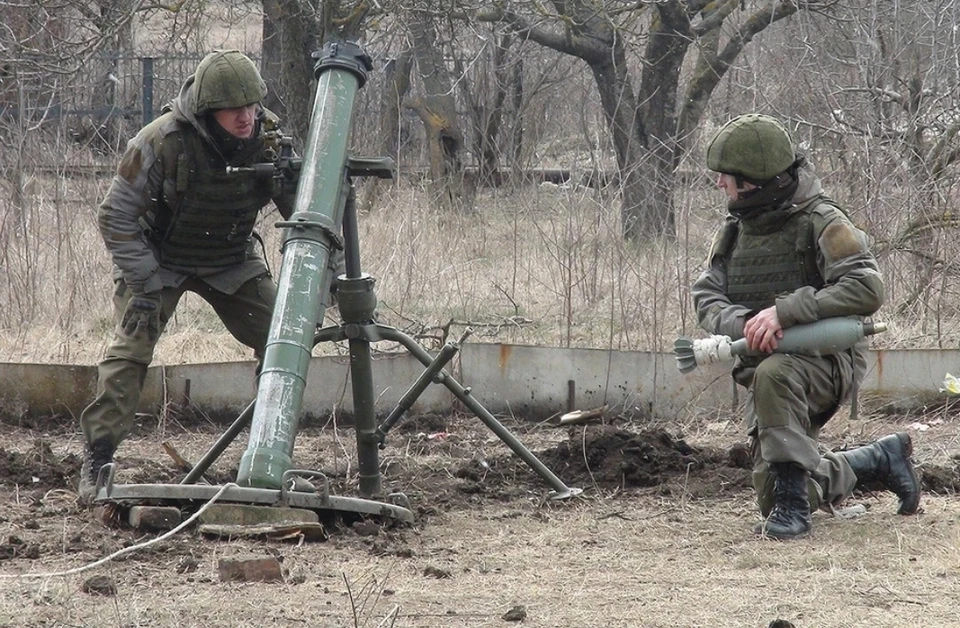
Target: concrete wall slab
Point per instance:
(526, 381)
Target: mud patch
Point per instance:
(426, 423)
(611, 458)
(38, 468)
(944, 480)
(15, 547)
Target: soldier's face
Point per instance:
(238, 121)
(728, 183)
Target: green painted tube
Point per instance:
(310, 237)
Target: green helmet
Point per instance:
(753, 146)
(226, 79)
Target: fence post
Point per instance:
(147, 63)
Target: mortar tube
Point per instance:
(311, 234)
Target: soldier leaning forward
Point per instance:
(789, 255)
(176, 220)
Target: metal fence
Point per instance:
(107, 86)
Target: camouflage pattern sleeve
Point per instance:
(853, 283)
(715, 313)
(134, 190)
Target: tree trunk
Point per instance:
(488, 141)
(437, 110)
(650, 212)
(646, 209)
(396, 86)
(117, 32)
(271, 59)
(396, 83)
(299, 34)
(517, 136)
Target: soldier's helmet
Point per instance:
(754, 146)
(226, 79)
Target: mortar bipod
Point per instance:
(435, 373)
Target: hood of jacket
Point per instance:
(809, 189)
(184, 106)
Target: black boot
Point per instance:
(790, 517)
(95, 455)
(887, 462)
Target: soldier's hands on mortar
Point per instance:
(763, 330)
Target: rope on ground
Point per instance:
(126, 550)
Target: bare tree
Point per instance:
(486, 98)
(292, 31)
(901, 99)
(436, 108)
(651, 118)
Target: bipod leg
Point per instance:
(218, 447)
(358, 304)
(560, 490)
(413, 393)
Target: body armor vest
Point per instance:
(214, 218)
(772, 259)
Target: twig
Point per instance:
(610, 515)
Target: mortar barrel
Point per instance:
(311, 234)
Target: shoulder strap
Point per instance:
(806, 247)
(724, 240)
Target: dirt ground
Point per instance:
(661, 535)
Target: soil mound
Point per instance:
(944, 480)
(38, 468)
(610, 457)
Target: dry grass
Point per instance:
(531, 265)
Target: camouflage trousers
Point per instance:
(123, 370)
(790, 399)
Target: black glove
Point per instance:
(143, 313)
(146, 303)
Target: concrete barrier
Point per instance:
(524, 381)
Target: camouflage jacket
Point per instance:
(145, 186)
(853, 285)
